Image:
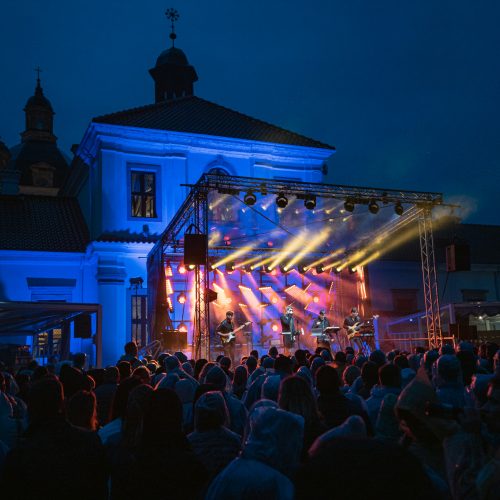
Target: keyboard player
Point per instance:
(318, 329)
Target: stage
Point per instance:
(256, 246)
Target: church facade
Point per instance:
(79, 231)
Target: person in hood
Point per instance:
(389, 378)
(269, 458)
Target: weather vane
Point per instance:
(173, 16)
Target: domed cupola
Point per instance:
(173, 75)
(39, 116)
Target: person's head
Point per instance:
(354, 312)
(199, 364)
(254, 353)
(327, 380)
(270, 388)
(120, 399)
(273, 352)
(360, 360)
(225, 363)
(79, 360)
(143, 374)
(138, 401)
(218, 378)
(378, 357)
(82, 410)
(210, 412)
(46, 399)
(448, 369)
(340, 357)
(72, 380)
(125, 369)
(240, 376)
(251, 364)
(350, 374)
(296, 396)
(39, 373)
(402, 361)
(204, 371)
(163, 419)
(283, 364)
(111, 375)
(181, 357)
(322, 314)
(369, 374)
(131, 349)
(300, 356)
(289, 310)
(229, 315)
(171, 363)
(389, 376)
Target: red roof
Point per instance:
(198, 116)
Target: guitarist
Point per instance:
(351, 321)
(224, 330)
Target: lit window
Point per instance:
(143, 194)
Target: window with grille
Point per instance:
(143, 194)
(139, 319)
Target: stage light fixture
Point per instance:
(268, 268)
(336, 270)
(181, 269)
(349, 205)
(274, 326)
(315, 299)
(274, 299)
(284, 269)
(320, 269)
(373, 207)
(182, 327)
(352, 269)
(281, 200)
(398, 208)
(191, 267)
(168, 270)
(250, 199)
(302, 268)
(310, 202)
(229, 267)
(181, 298)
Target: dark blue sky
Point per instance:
(408, 92)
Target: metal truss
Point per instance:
(194, 212)
(429, 277)
(201, 331)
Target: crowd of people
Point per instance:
(424, 424)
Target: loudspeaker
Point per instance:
(457, 258)
(83, 326)
(173, 340)
(195, 249)
(210, 295)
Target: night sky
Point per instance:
(408, 92)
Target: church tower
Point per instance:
(173, 75)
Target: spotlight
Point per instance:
(302, 268)
(281, 200)
(336, 270)
(349, 205)
(181, 269)
(284, 269)
(310, 202)
(274, 299)
(373, 207)
(183, 328)
(320, 269)
(168, 270)
(274, 326)
(229, 267)
(352, 269)
(191, 267)
(268, 268)
(398, 208)
(250, 199)
(181, 298)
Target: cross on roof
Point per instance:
(173, 16)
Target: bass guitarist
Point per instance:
(351, 325)
(225, 331)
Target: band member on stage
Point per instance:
(288, 330)
(224, 330)
(321, 322)
(350, 321)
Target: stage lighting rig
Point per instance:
(349, 205)
(373, 207)
(230, 267)
(182, 327)
(284, 269)
(398, 208)
(281, 200)
(310, 202)
(181, 298)
(320, 269)
(352, 269)
(268, 268)
(250, 199)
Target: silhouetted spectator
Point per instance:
(105, 393)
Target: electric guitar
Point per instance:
(353, 330)
(227, 337)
